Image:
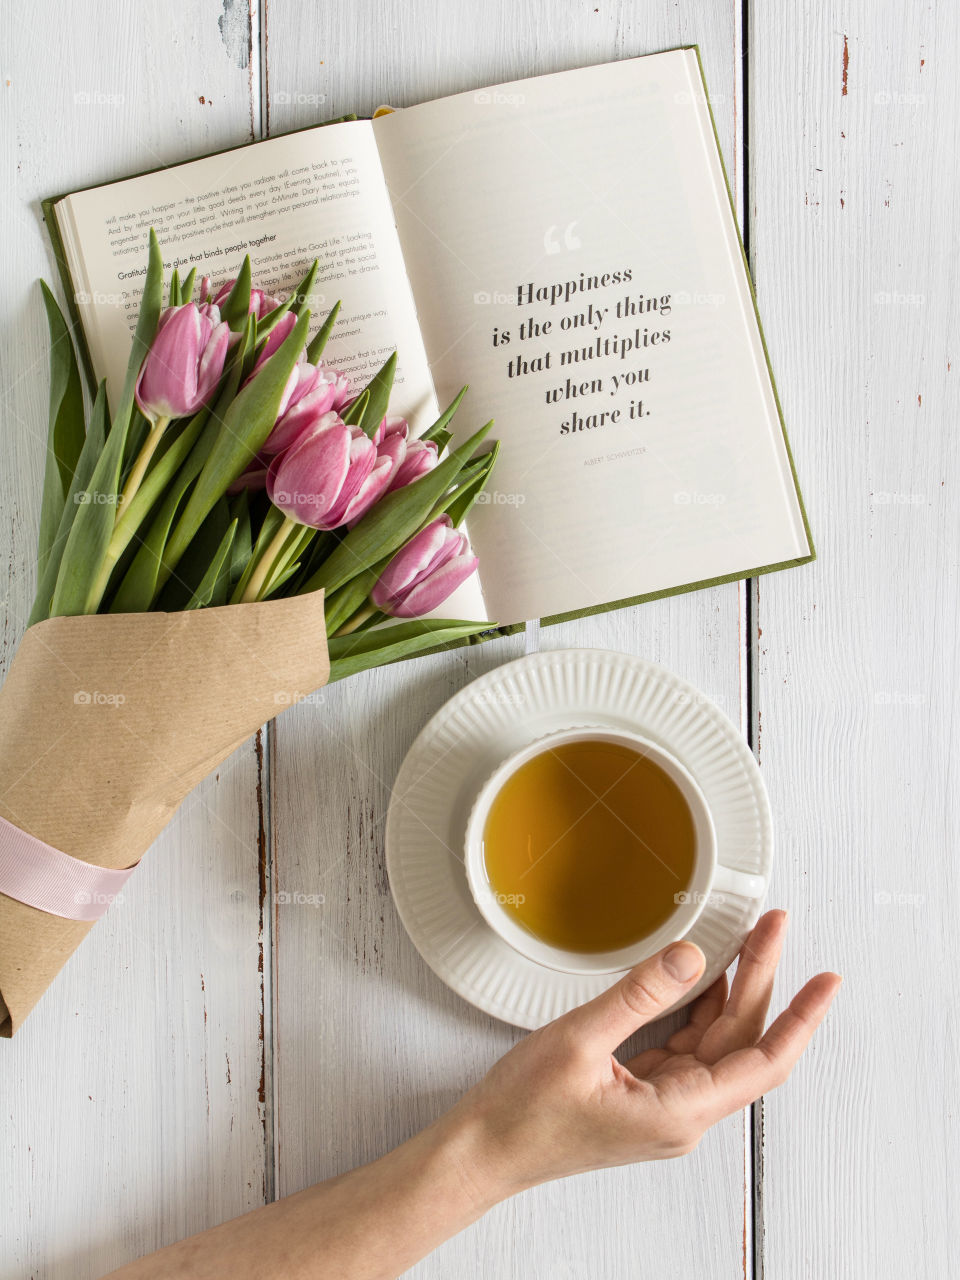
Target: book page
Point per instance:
(315, 194)
(574, 258)
(319, 193)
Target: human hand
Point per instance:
(560, 1103)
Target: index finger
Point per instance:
(742, 1076)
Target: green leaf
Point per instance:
(196, 560)
(270, 321)
(268, 531)
(174, 295)
(340, 605)
(92, 447)
(458, 503)
(81, 581)
(392, 520)
(352, 415)
(242, 546)
(441, 439)
(293, 549)
(204, 592)
(364, 649)
(66, 432)
(138, 589)
(293, 303)
(378, 390)
(315, 349)
(301, 294)
(155, 482)
(236, 306)
(277, 581)
(248, 421)
(186, 289)
(438, 428)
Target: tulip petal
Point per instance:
(414, 558)
(306, 481)
(212, 362)
(372, 488)
(311, 400)
(421, 456)
(434, 589)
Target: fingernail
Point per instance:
(683, 961)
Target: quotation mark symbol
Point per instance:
(551, 240)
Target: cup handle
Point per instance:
(743, 884)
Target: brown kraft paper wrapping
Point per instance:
(108, 721)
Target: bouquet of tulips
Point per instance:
(244, 527)
(240, 467)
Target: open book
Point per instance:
(566, 245)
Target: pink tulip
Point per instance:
(424, 571)
(184, 363)
(391, 441)
(317, 390)
(420, 457)
(261, 304)
(410, 458)
(329, 477)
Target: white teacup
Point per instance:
(709, 877)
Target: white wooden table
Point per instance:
(210, 1047)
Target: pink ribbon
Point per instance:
(52, 881)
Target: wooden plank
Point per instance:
(370, 1046)
(130, 1111)
(855, 187)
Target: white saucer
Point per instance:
(503, 711)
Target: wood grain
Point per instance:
(369, 1045)
(854, 188)
(139, 1101)
(130, 1098)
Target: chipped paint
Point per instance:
(846, 67)
(234, 24)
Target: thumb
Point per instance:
(641, 995)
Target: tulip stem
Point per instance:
(261, 574)
(133, 483)
(366, 611)
(142, 461)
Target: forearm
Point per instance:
(370, 1224)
